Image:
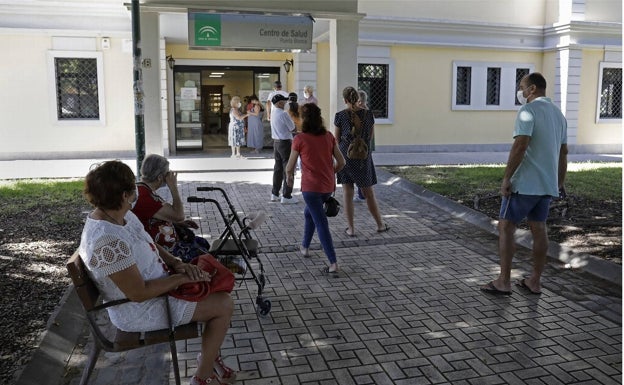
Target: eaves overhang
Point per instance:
(450, 33)
(583, 34)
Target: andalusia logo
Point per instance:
(208, 30)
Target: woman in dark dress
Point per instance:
(360, 172)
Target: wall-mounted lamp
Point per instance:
(170, 61)
(288, 65)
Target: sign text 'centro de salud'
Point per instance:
(249, 31)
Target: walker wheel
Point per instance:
(264, 306)
(261, 281)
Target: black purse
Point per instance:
(185, 234)
(331, 206)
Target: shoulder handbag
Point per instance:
(222, 280)
(331, 206)
(358, 149)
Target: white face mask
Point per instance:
(238, 105)
(521, 97)
(307, 95)
(136, 198)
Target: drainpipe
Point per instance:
(139, 120)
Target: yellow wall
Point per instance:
(590, 132)
(322, 83)
(549, 71)
(27, 112)
(422, 104)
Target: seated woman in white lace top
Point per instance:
(124, 262)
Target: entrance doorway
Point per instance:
(213, 89)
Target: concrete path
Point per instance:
(406, 308)
(193, 165)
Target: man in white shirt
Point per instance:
(282, 128)
(277, 90)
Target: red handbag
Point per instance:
(222, 280)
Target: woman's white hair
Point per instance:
(363, 97)
(153, 166)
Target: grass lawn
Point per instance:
(594, 181)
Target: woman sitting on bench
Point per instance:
(125, 262)
(164, 221)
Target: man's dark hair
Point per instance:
(537, 80)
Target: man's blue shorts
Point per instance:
(516, 207)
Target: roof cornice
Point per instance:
(453, 33)
(450, 33)
(583, 34)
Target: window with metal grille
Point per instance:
(492, 95)
(462, 93)
(486, 86)
(520, 73)
(611, 93)
(76, 88)
(374, 79)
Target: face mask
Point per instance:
(307, 95)
(136, 198)
(238, 105)
(521, 97)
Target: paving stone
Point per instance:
(402, 312)
(393, 370)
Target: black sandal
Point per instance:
(326, 271)
(385, 228)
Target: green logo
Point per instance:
(207, 30)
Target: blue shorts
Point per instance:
(516, 207)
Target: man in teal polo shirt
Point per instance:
(535, 172)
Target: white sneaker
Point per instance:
(274, 198)
(289, 201)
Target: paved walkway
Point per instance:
(405, 309)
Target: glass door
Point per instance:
(188, 115)
(263, 82)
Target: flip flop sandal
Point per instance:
(491, 289)
(348, 234)
(385, 228)
(522, 284)
(326, 271)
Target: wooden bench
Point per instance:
(90, 298)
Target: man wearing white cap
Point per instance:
(282, 128)
(277, 90)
